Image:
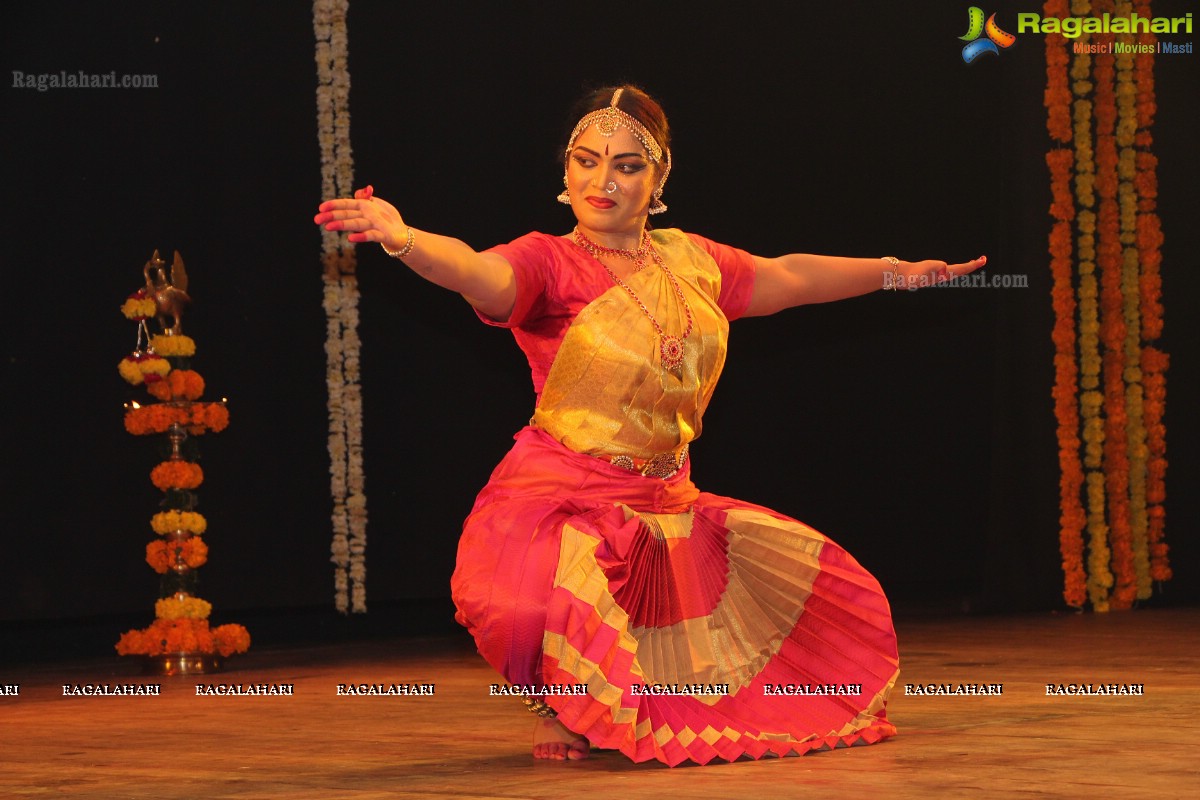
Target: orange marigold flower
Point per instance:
(180, 384)
(230, 639)
(157, 557)
(195, 553)
(164, 555)
(209, 416)
(177, 475)
(168, 636)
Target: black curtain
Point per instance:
(916, 429)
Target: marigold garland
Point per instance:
(1057, 98)
(1060, 161)
(1134, 450)
(166, 522)
(1148, 240)
(182, 608)
(1109, 391)
(143, 367)
(164, 555)
(176, 475)
(138, 307)
(198, 418)
(166, 636)
(1115, 460)
(1073, 518)
(179, 384)
(1099, 579)
(1154, 367)
(177, 346)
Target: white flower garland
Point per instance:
(341, 311)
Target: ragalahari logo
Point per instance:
(996, 40)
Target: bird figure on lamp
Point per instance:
(170, 295)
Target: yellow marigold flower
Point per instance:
(134, 368)
(138, 308)
(154, 366)
(184, 346)
(182, 608)
(130, 372)
(166, 522)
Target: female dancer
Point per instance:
(632, 610)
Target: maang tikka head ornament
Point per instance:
(607, 120)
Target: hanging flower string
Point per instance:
(1148, 240)
(347, 481)
(138, 368)
(138, 306)
(1112, 330)
(1099, 578)
(1107, 302)
(1066, 372)
(1135, 583)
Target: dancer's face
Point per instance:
(598, 164)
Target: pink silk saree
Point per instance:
(702, 626)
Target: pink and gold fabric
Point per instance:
(703, 627)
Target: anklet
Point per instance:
(540, 708)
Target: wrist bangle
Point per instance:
(403, 251)
(894, 284)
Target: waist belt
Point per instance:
(663, 465)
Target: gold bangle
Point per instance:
(403, 251)
(895, 264)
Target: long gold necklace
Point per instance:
(670, 347)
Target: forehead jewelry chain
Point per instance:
(670, 347)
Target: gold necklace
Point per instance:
(670, 347)
(638, 257)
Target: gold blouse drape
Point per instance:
(607, 393)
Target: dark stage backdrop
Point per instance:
(916, 429)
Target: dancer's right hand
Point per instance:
(366, 217)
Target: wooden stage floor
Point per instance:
(460, 743)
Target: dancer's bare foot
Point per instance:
(552, 740)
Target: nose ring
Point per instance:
(612, 187)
